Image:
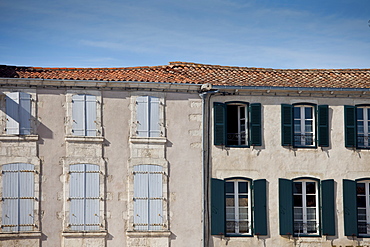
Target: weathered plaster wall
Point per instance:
(272, 161)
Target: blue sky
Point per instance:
(123, 33)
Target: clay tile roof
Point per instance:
(185, 72)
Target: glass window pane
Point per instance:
(362, 228)
(243, 227)
(243, 213)
(361, 201)
(308, 126)
(297, 112)
(297, 200)
(243, 200)
(298, 214)
(311, 201)
(229, 187)
(230, 200)
(298, 227)
(297, 187)
(311, 213)
(360, 127)
(311, 227)
(308, 112)
(360, 113)
(361, 188)
(230, 226)
(297, 126)
(310, 187)
(230, 213)
(243, 187)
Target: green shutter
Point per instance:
(217, 207)
(260, 207)
(350, 125)
(349, 207)
(255, 125)
(286, 125)
(286, 206)
(219, 110)
(323, 126)
(328, 207)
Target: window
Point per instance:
(300, 204)
(148, 198)
(237, 124)
(84, 197)
(357, 126)
(18, 198)
(233, 205)
(84, 115)
(356, 202)
(147, 114)
(300, 122)
(18, 113)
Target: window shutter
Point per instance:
(25, 113)
(10, 203)
(350, 126)
(26, 196)
(255, 125)
(328, 207)
(154, 125)
(155, 198)
(217, 207)
(12, 112)
(260, 209)
(286, 206)
(77, 197)
(349, 207)
(141, 198)
(286, 125)
(92, 197)
(219, 110)
(78, 115)
(142, 116)
(323, 126)
(91, 129)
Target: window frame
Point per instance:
(303, 125)
(367, 206)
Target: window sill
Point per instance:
(150, 234)
(150, 140)
(84, 139)
(20, 235)
(71, 234)
(20, 138)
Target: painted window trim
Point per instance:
(302, 120)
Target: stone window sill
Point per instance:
(71, 234)
(150, 140)
(19, 138)
(20, 235)
(148, 234)
(84, 139)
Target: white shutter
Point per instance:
(25, 113)
(141, 201)
(78, 115)
(92, 218)
(12, 113)
(155, 130)
(142, 116)
(155, 198)
(26, 197)
(77, 197)
(91, 115)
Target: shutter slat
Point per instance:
(328, 207)
(219, 111)
(349, 207)
(12, 112)
(286, 206)
(350, 126)
(217, 207)
(260, 207)
(255, 125)
(323, 125)
(286, 125)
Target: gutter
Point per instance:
(291, 88)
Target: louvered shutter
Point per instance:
(328, 207)
(90, 115)
(25, 113)
(255, 125)
(155, 198)
(286, 125)
(350, 126)
(92, 197)
(286, 206)
(12, 113)
(217, 207)
(154, 125)
(323, 126)
(78, 115)
(219, 111)
(350, 207)
(142, 116)
(77, 197)
(141, 198)
(260, 207)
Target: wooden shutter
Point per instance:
(328, 207)
(286, 125)
(92, 197)
(217, 207)
(350, 207)
(155, 198)
(141, 198)
(77, 197)
(78, 115)
(142, 116)
(90, 120)
(219, 111)
(12, 113)
(323, 126)
(154, 124)
(255, 125)
(350, 126)
(260, 207)
(286, 206)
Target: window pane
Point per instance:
(308, 112)
(362, 228)
(230, 226)
(243, 213)
(230, 213)
(297, 200)
(298, 227)
(297, 112)
(243, 227)
(297, 126)
(230, 201)
(310, 187)
(311, 201)
(297, 188)
(360, 113)
(311, 213)
(243, 187)
(308, 126)
(360, 127)
(229, 187)
(311, 227)
(361, 201)
(361, 214)
(298, 214)
(361, 188)
(243, 200)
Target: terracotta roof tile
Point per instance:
(184, 72)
